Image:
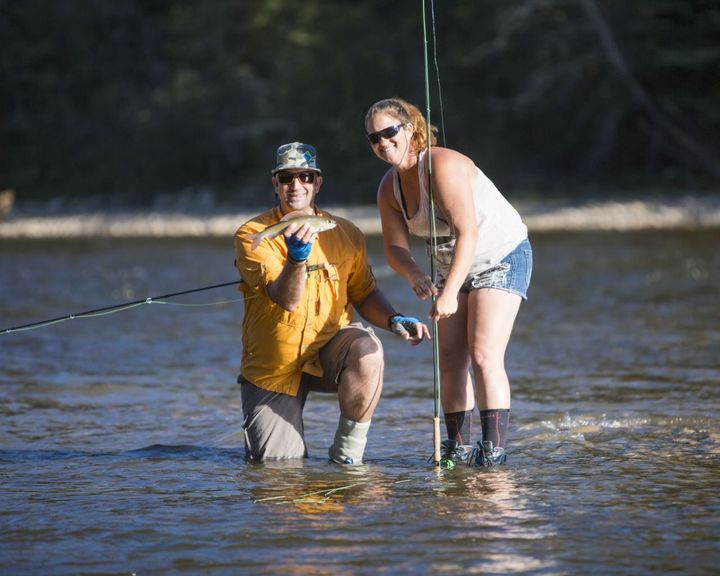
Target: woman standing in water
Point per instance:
(484, 264)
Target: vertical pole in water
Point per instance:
(433, 250)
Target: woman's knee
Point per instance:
(486, 361)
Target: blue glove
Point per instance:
(298, 251)
(400, 324)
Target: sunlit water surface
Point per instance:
(121, 448)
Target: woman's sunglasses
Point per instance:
(386, 133)
(288, 177)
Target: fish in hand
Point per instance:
(316, 223)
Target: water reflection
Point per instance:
(494, 512)
(121, 436)
(299, 484)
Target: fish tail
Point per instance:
(256, 239)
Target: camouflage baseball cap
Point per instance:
(296, 155)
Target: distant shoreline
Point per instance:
(684, 212)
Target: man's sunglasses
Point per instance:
(288, 177)
(386, 133)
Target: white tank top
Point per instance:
(500, 227)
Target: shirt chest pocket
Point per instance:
(325, 290)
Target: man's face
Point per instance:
(296, 189)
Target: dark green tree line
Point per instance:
(134, 98)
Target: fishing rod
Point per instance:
(114, 308)
(433, 248)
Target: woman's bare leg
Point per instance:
(456, 388)
(491, 316)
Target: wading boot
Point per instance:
(451, 450)
(350, 440)
(486, 455)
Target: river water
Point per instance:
(121, 447)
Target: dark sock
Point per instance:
(459, 426)
(494, 425)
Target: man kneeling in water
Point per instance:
(300, 289)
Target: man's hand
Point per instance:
(409, 328)
(299, 243)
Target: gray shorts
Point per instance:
(273, 421)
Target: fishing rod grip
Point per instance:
(436, 439)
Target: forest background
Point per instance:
(128, 101)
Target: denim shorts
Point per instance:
(512, 274)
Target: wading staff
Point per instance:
(433, 252)
(109, 309)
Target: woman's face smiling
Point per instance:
(391, 149)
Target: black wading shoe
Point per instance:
(451, 450)
(487, 456)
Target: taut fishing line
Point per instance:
(105, 310)
(437, 72)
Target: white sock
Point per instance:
(350, 440)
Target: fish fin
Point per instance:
(293, 214)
